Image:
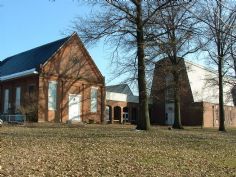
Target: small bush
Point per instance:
(91, 121)
(30, 109)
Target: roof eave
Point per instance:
(19, 74)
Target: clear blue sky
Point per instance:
(26, 24)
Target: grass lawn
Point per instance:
(115, 150)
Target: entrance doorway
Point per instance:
(74, 107)
(117, 113)
(125, 114)
(170, 113)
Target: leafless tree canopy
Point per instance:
(219, 22)
(142, 32)
(115, 23)
(220, 30)
(176, 32)
(122, 25)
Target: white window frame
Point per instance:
(94, 100)
(6, 100)
(18, 99)
(52, 97)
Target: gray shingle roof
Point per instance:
(121, 88)
(30, 59)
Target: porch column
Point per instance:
(121, 115)
(112, 114)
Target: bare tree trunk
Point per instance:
(235, 66)
(143, 117)
(221, 98)
(220, 42)
(177, 122)
(103, 104)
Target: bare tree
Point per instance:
(233, 60)
(175, 35)
(122, 24)
(233, 53)
(220, 21)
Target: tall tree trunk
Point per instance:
(177, 122)
(143, 117)
(220, 44)
(234, 87)
(235, 66)
(221, 96)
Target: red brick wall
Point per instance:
(132, 110)
(192, 114)
(75, 73)
(24, 83)
(189, 112)
(211, 115)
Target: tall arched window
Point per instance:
(169, 92)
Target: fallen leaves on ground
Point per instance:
(115, 150)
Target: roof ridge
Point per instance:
(201, 66)
(211, 70)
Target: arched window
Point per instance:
(169, 79)
(126, 114)
(169, 91)
(117, 113)
(108, 115)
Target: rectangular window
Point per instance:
(17, 104)
(31, 90)
(94, 96)
(6, 100)
(52, 95)
(169, 94)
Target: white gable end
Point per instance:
(116, 96)
(203, 87)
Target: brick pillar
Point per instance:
(103, 104)
(121, 115)
(129, 113)
(112, 114)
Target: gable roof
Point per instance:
(30, 59)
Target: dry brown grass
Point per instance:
(115, 150)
